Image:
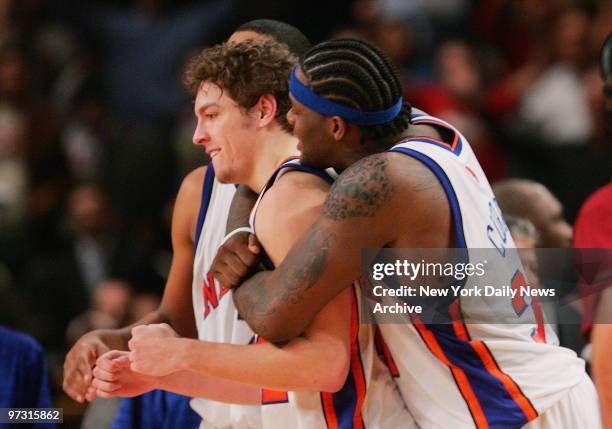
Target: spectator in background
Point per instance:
(93, 233)
(457, 97)
(554, 107)
(531, 200)
(543, 105)
(142, 304)
(109, 310)
(23, 373)
(594, 230)
(526, 238)
(13, 171)
(86, 138)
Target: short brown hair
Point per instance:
(247, 70)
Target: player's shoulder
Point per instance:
(382, 184)
(195, 178)
(385, 169)
(301, 181)
(189, 195)
(191, 186)
(295, 190)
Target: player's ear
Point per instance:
(337, 127)
(266, 109)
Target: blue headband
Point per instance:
(326, 107)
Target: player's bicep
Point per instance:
(357, 214)
(287, 210)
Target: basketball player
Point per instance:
(335, 354)
(187, 278)
(411, 181)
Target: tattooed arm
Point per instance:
(373, 202)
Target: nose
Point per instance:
(200, 136)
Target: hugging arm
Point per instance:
(386, 199)
(280, 304)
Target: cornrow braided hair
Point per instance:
(359, 75)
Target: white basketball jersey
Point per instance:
(462, 375)
(216, 316)
(369, 397)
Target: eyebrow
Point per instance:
(206, 106)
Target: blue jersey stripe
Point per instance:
(209, 179)
(418, 118)
(500, 409)
(448, 189)
(307, 169)
(345, 402)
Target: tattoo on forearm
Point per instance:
(259, 297)
(306, 271)
(360, 191)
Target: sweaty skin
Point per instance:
(366, 208)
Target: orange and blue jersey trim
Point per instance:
(342, 410)
(494, 400)
(455, 146)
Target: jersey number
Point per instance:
(520, 305)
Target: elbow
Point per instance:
(278, 332)
(332, 373)
(337, 378)
(273, 329)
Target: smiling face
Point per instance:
(225, 131)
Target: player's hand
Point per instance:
(114, 378)
(235, 259)
(78, 366)
(152, 350)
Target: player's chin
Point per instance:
(222, 173)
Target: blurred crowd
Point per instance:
(95, 127)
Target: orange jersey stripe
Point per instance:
(460, 377)
(357, 369)
(458, 325)
(515, 392)
(328, 409)
(489, 362)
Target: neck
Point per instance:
(370, 148)
(273, 147)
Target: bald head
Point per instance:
(531, 200)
